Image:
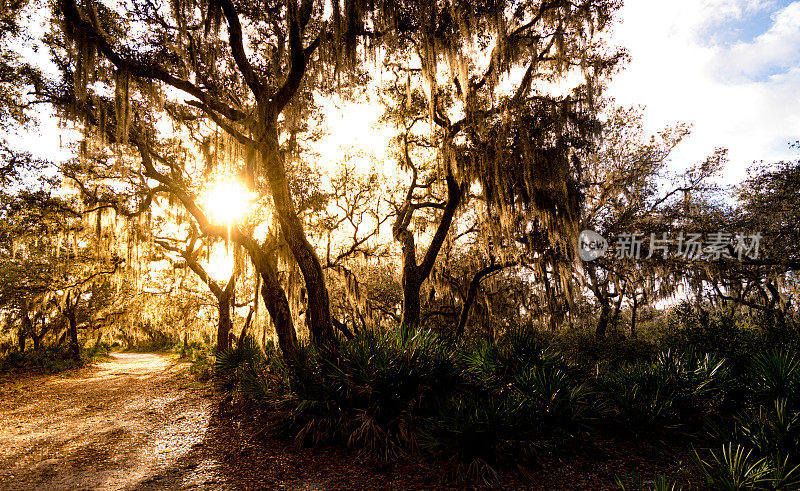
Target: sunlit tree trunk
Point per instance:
(185, 343)
(225, 322)
(74, 347)
(278, 308)
(318, 311)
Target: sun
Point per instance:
(227, 202)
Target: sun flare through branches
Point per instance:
(227, 202)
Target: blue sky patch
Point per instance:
(753, 23)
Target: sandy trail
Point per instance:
(139, 422)
(109, 426)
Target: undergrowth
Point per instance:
(487, 406)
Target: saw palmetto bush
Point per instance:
(394, 378)
(735, 467)
(239, 369)
(555, 402)
(475, 431)
(487, 406)
(760, 443)
(776, 374)
(371, 397)
(517, 396)
(673, 390)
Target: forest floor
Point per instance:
(139, 421)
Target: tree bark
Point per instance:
(617, 309)
(278, 308)
(318, 308)
(21, 339)
(473, 292)
(75, 349)
(185, 343)
(246, 327)
(602, 322)
(411, 298)
(225, 323)
(603, 299)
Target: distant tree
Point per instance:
(224, 292)
(51, 260)
(628, 191)
(765, 214)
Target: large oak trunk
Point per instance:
(225, 323)
(278, 308)
(74, 347)
(602, 322)
(411, 298)
(318, 311)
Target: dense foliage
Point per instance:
(488, 406)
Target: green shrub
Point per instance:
(476, 430)
(48, 359)
(734, 468)
(760, 443)
(776, 374)
(488, 405)
(202, 360)
(674, 389)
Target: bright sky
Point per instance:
(729, 67)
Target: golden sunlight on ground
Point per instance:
(115, 425)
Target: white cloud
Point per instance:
(744, 96)
(777, 48)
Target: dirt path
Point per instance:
(108, 426)
(139, 422)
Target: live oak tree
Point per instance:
(223, 291)
(53, 264)
(758, 271)
(247, 80)
(521, 146)
(629, 191)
